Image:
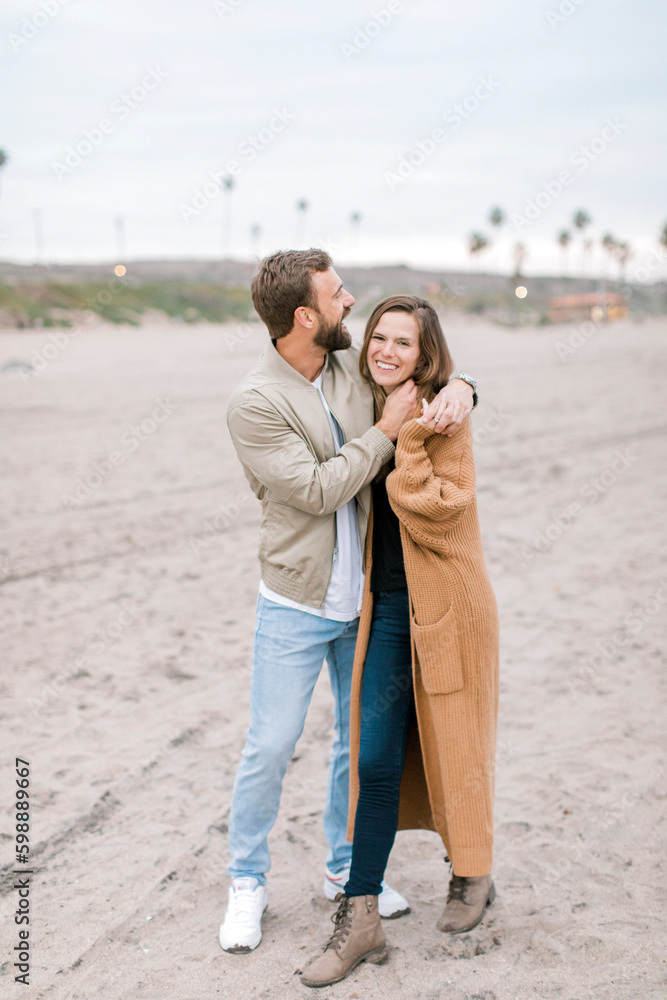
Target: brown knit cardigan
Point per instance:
(448, 778)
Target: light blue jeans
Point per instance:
(289, 650)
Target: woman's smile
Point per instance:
(393, 350)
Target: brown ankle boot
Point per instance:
(358, 937)
(466, 901)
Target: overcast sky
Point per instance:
(326, 101)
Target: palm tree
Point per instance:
(587, 249)
(228, 185)
(581, 220)
(302, 207)
(623, 255)
(519, 252)
(255, 234)
(564, 239)
(477, 242)
(355, 222)
(609, 244)
(3, 161)
(496, 218)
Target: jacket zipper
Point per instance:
(338, 422)
(333, 559)
(335, 548)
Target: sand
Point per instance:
(129, 581)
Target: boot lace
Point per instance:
(342, 921)
(457, 888)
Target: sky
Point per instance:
(122, 119)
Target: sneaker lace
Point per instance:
(244, 906)
(342, 921)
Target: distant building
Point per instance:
(597, 306)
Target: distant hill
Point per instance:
(196, 291)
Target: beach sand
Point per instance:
(129, 580)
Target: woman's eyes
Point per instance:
(400, 343)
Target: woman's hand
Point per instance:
(398, 409)
(445, 415)
(456, 418)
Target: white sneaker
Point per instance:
(241, 930)
(390, 903)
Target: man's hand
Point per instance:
(399, 408)
(445, 415)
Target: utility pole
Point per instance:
(121, 249)
(38, 227)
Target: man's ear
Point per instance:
(303, 316)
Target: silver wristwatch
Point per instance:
(471, 382)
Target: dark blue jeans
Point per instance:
(387, 710)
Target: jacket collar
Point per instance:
(275, 365)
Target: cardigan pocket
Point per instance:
(438, 654)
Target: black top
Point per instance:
(388, 570)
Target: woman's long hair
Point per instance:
(435, 364)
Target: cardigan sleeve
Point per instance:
(430, 491)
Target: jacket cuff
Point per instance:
(380, 443)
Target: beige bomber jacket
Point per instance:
(283, 439)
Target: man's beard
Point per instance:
(332, 336)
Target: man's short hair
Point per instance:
(283, 283)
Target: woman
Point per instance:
(425, 683)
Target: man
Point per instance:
(302, 426)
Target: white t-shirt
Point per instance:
(346, 585)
